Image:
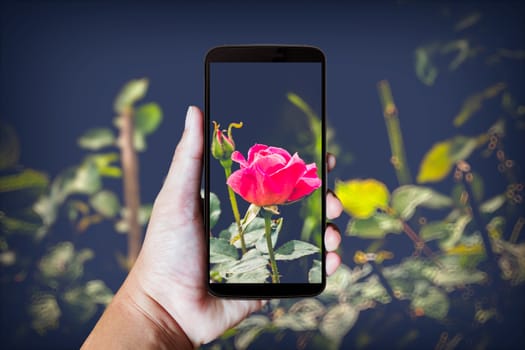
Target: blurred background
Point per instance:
(71, 73)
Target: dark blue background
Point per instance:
(62, 63)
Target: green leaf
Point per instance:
(106, 203)
(255, 276)
(215, 209)
(294, 249)
(374, 227)
(361, 198)
(147, 118)
(250, 261)
(130, 93)
(314, 275)
(28, 178)
(45, 313)
(97, 138)
(83, 180)
(261, 244)
(338, 321)
(222, 251)
(441, 158)
(406, 199)
(253, 232)
(9, 146)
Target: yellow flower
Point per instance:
(361, 198)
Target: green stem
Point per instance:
(235, 209)
(268, 233)
(394, 133)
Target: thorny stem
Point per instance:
(130, 170)
(419, 243)
(394, 133)
(235, 209)
(268, 232)
(478, 219)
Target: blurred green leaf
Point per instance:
(130, 93)
(314, 275)
(106, 203)
(467, 21)
(474, 103)
(7, 258)
(294, 249)
(121, 226)
(215, 209)
(493, 204)
(455, 233)
(435, 230)
(28, 178)
(430, 301)
(9, 146)
(103, 163)
(406, 199)
(249, 329)
(10, 224)
(362, 198)
(426, 71)
(338, 321)
(374, 227)
(45, 313)
(63, 263)
(304, 315)
(147, 118)
(221, 251)
(139, 141)
(261, 244)
(250, 261)
(441, 158)
(83, 300)
(97, 138)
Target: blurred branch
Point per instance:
(131, 184)
(395, 137)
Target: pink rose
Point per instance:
(271, 176)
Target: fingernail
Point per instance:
(189, 114)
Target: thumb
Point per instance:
(184, 176)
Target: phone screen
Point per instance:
(265, 174)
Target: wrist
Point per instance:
(163, 326)
(134, 320)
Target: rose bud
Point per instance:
(222, 145)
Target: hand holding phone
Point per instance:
(265, 172)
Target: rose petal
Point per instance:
(270, 164)
(281, 151)
(244, 183)
(304, 187)
(254, 150)
(239, 158)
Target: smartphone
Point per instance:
(265, 171)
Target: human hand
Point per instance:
(167, 283)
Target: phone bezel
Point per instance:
(263, 53)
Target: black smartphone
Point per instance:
(265, 171)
